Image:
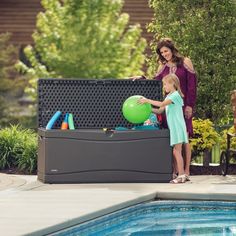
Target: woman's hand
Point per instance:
(137, 77)
(188, 112)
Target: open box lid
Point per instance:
(93, 103)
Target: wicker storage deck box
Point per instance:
(90, 153)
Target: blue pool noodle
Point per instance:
(53, 120)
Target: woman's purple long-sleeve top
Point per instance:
(188, 81)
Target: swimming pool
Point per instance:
(182, 218)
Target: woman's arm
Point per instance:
(159, 74)
(191, 88)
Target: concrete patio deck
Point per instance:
(29, 207)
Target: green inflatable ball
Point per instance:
(134, 112)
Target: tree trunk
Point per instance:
(233, 101)
(206, 157)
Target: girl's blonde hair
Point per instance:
(175, 80)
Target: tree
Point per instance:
(84, 39)
(7, 61)
(206, 32)
(12, 85)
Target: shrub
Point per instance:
(206, 32)
(12, 84)
(26, 121)
(7, 55)
(84, 39)
(223, 143)
(205, 136)
(27, 160)
(18, 149)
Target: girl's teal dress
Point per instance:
(175, 119)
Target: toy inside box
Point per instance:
(101, 146)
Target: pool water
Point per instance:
(167, 218)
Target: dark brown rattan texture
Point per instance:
(93, 103)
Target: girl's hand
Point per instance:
(143, 100)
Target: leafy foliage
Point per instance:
(206, 32)
(223, 143)
(11, 83)
(205, 136)
(84, 39)
(7, 55)
(27, 160)
(18, 149)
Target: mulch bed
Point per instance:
(195, 170)
(211, 170)
(15, 171)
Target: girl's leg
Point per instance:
(177, 151)
(174, 167)
(187, 149)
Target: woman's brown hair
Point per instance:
(167, 42)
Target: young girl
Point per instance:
(173, 104)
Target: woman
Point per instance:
(171, 61)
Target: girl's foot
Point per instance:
(187, 172)
(179, 180)
(174, 176)
(187, 177)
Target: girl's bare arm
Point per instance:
(155, 103)
(158, 110)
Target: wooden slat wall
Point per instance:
(19, 17)
(141, 13)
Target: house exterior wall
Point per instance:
(18, 17)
